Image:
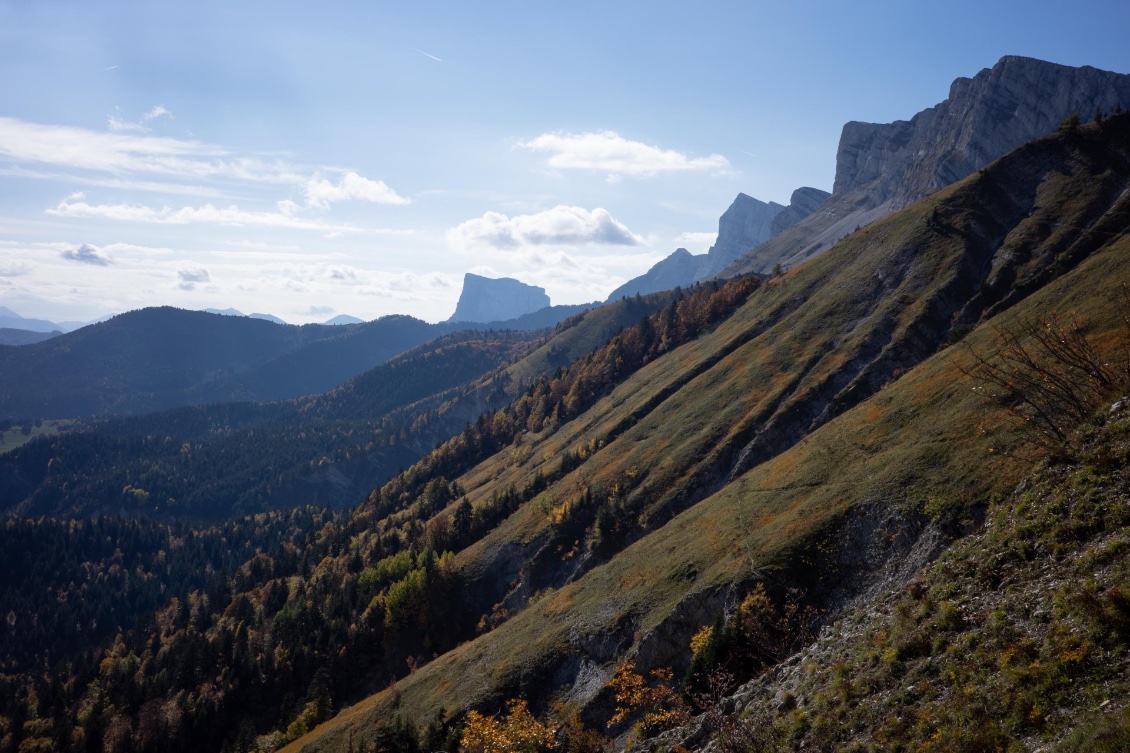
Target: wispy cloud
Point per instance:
(562, 225)
(608, 151)
(129, 158)
(87, 254)
(119, 125)
(158, 111)
(430, 55)
(76, 206)
(106, 181)
(83, 149)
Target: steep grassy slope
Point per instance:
(726, 415)
(1017, 638)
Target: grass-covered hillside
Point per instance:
(796, 443)
(643, 471)
(1016, 639)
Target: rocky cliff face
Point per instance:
(747, 223)
(802, 203)
(491, 300)
(881, 168)
(680, 268)
(984, 117)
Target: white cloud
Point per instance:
(114, 123)
(158, 111)
(608, 151)
(117, 124)
(75, 206)
(122, 152)
(190, 275)
(14, 269)
(562, 225)
(88, 254)
(118, 183)
(193, 273)
(320, 193)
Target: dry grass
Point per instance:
(926, 434)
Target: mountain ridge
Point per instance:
(654, 594)
(881, 168)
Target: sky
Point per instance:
(308, 160)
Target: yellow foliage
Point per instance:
(757, 611)
(518, 732)
(663, 707)
(701, 638)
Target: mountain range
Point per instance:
(871, 498)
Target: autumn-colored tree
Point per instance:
(660, 704)
(517, 732)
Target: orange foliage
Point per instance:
(662, 706)
(518, 732)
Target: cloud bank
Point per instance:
(76, 206)
(127, 150)
(608, 151)
(562, 225)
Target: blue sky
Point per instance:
(313, 159)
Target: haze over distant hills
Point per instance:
(11, 320)
(155, 359)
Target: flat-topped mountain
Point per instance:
(489, 300)
(881, 168)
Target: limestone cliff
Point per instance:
(984, 117)
(745, 224)
(881, 168)
(802, 203)
(491, 300)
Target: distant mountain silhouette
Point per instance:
(9, 336)
(159, 358)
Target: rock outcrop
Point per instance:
(747, 223)
(881, 168)
(491, 300)
(984, 117)
(802, 203)
(680, 268)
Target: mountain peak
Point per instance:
(486, 299)
(1016, 100)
